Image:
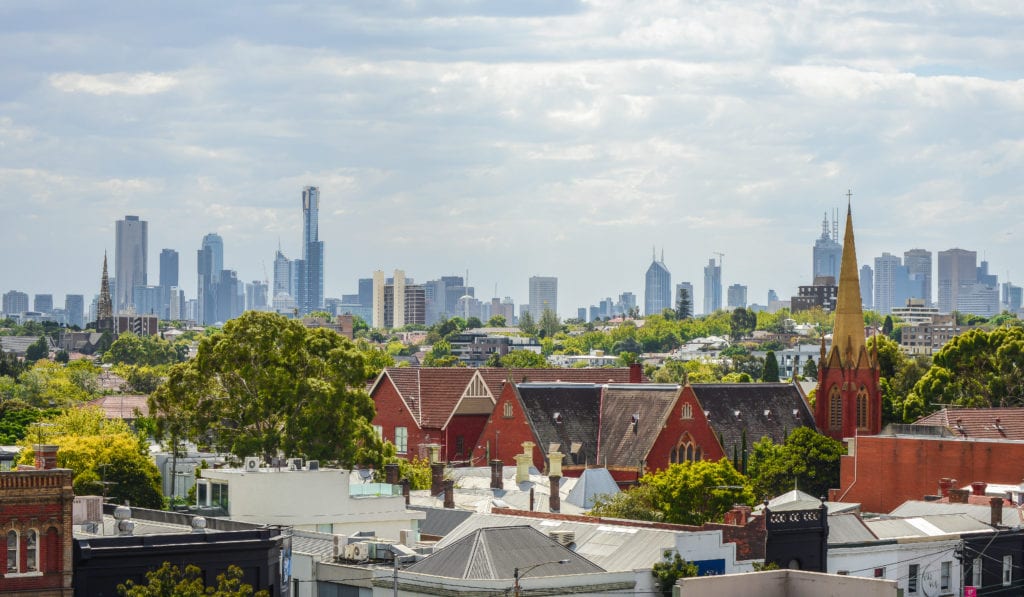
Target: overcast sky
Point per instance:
(509, 138)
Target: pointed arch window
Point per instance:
(863, 411)
(835, 408)
(685, 450)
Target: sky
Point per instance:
(509, 139)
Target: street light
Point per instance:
(516, 575)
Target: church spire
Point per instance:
(104, 309)
(849, 327)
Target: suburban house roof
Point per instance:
(620, 444)
(566, 415)
(756, 409)
(495, 553)
(988, 423)
(122, 406)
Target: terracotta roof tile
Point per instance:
(983, 423)
(121, 406)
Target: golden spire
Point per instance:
(104, 309)
(848, 334)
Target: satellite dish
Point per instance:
(366, 474)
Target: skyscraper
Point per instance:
(131, 242)
(311, 283)
(74, 310)
(282, 274)
(867, 286)
(543, 296)
(919, 267)
(657, 286)
(827, 250)
(42, 303)
(736, 296)
(209, 265)
(15, 302)
(712, 286)
(957, 268)
(890, 283)
(168, 268)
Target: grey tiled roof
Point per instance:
(620, 446)
(495, 552)
(737, 408)
(579, 408)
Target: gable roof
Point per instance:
(121, 406)
(592, 483)
(495, 377)
(988, 423)
(578, 406)
(733, 409)
(620, 446)
(495, 553)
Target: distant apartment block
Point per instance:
(140, 325)
(915, 311)
(823, 293)
(926, 338)
(736, 296)
(958, 268)
(15, 302)
(397, 302)
(543, 295)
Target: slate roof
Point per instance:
(440, 521)
(987, 423)
(612, 547)
(579, 408)
(494, 553)
(592, 483)
(735, 408)
(19, 344)
(495, 377)
(652, 402)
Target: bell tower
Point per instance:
(848, 401)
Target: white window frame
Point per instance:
(945, 575)
(402, 440)
(17, 551)
(913, 579)
(31, 553)
(976, 569)
(1007, 570)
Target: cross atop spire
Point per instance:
(849, 198)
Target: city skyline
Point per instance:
(700, 130)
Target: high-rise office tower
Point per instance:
(657, 286)
(42, 303)
(256, 296)
(15, 302)
(74, 309)
(736, 296)
(131, 242)
(867, 286)
(310, 295)
(1012, 297)
(827, 250)
(543, 296)
(890, 279)
(712, 286)
(957, 268)
(919, 267)
(168, 268)
(209, 266)
(282, 274)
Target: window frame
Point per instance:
(402, 445)
(31, 553)
(16, 568)
(913, 578)
(945, 575)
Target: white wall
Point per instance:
(896, 558)
(785, 583)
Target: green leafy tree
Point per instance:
(40, 349)
(670, 569)
(672, 372)
(130, 349)
(771, 368)
(16, 417)
(807, 460)
(62, 357)
(143, 379)
(10, 366)
(684, 306)
(887, 326)
(440, 355)
(171, 581)
(375, 359)
(527, 325)
(496, 321)
(473, 323)
(549, 323)
(266, 384)
(811, 369)
(524, 359)
(741, 323)
(639, 503)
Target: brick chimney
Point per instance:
(555, 501)
(555, 463)
(497, 471)
(531, 499)
(996, 504)
(738, 516)
(449, 493)
(945, 484)
(958, 496)
(46, 456)
(405, 490)
(436, 478)
(523, 462)
(978, 488)
(636, 373)
(391, 473)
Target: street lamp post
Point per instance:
(516, 575)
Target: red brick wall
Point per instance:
(469, 427)
(698, 427)
(41, 501)
(887, 471)
(392, 412)
(506, 436)
(851, 380)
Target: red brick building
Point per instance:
(883, 471)
(36, 523)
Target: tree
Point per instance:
(670, 569)
(887, 326)
(130, 349)
(40, 349)
(10, 366)
(684, 306)
(473, 323)
(976, 369)
(672, 372)
(440, 355)
(524, 359)
(526, 324)
(811, 369)
(266, 384)
(807, 459)
(771, 368)
(636, 504)
(496, 321)
(62, 357)
(170, 581)
(741, 322)
(549, 323)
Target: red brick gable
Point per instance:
(679, 431)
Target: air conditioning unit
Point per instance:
(409, 537)
(313, 465)
(295, 464)
(563, 537)
(252, 464)
(357, 551)
(340, 543)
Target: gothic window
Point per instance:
(12, 551)
(687, 411)
(862, 408)
(835, 408)
(685, 450)
(507, 410)
(31, 551)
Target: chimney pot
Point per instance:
(978, 488)
(959, 496)
(391, 473)
(996, 504)
(555, 500)
(436, 478)
(945, 484)
(636, 371)
(497, 474)
(46, 456)
(449, 493)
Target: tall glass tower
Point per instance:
(130, 252)
(657, 287)
(311, 286)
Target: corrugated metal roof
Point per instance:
(319, 545)
(440, 521)
(612, 547)
(495, 553)
(592, 483)
(1011, 515)
(848, 528)
(925, 526)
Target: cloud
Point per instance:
(114, 83)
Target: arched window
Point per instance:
(12, 551)
(685, 450)
(31, 550)
(862, 408)
(835, 408)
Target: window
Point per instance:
(507, 413)
(379, 430)
(402, 439)
(976, 573)
(12, 551)
(880, 572)
(685, 450)
(944, 575)
(687, 411)
(862, 408)
(835, 409)
(460, 446)
(912, 578)
(1007, 570)
(219, 495)
(31, 551)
